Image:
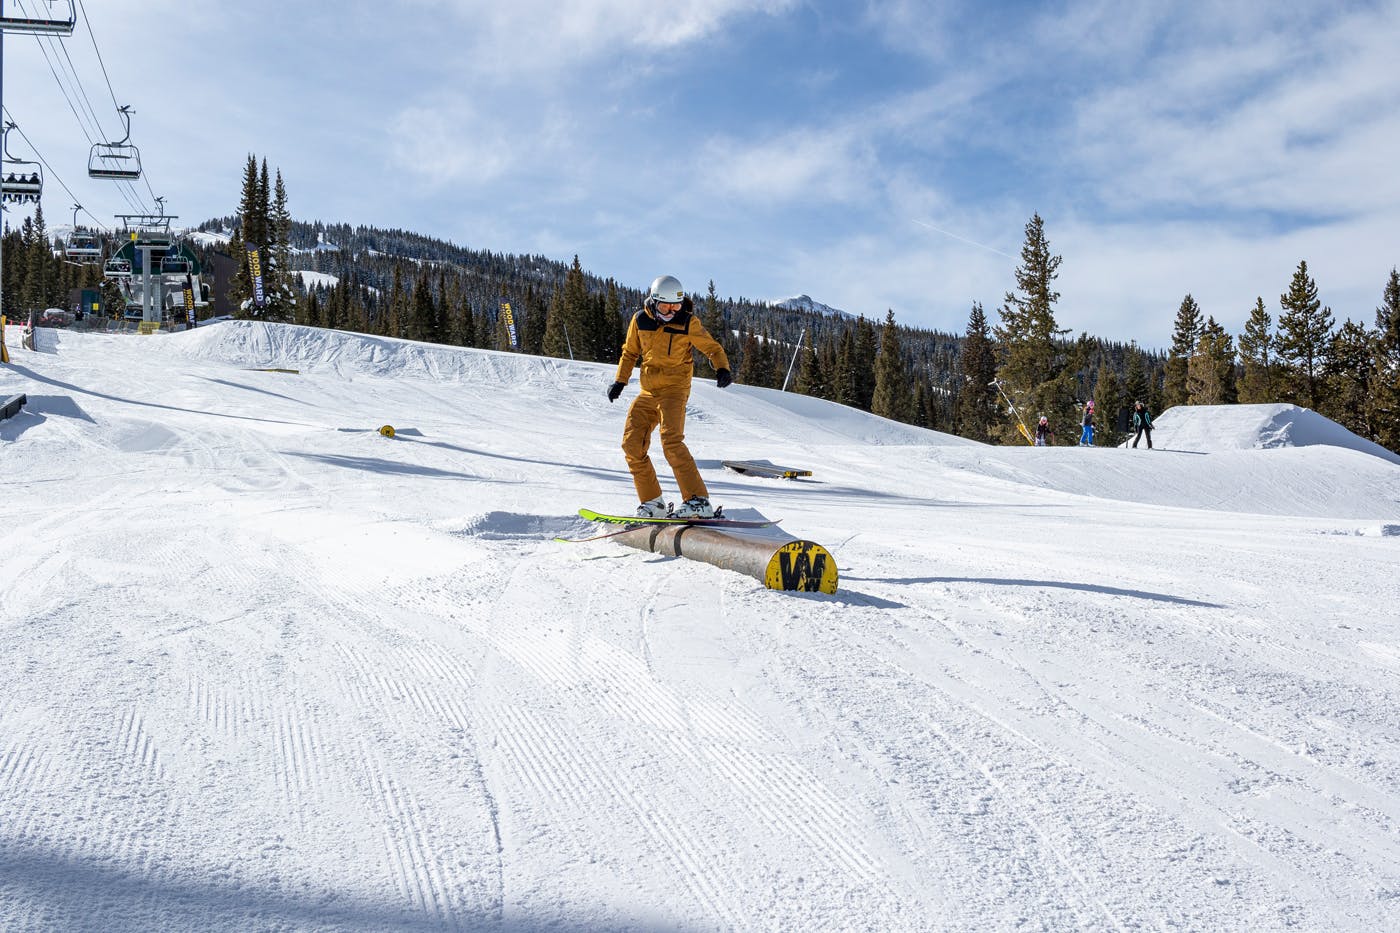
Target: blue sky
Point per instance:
(873, 155)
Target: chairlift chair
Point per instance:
(42, 26)
(116, 268)
(119, 161)
(81, 244)
(22, 182)
(176, 265)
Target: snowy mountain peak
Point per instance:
(807, 303)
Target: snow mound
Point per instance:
(313, 349)
(1255, 427)
(745, 409)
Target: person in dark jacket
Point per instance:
(1142, 424)
(1086, 436)
(1044, 434)
(659, 341)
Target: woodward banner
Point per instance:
(255, 268)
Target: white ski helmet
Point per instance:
(665, 288)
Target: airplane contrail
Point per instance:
(961, 238)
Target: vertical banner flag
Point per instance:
(510, 323)
(255, 267)
(189, 299)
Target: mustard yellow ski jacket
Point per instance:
(663, 348)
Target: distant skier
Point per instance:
(660, 338)
(1142, 424)
(1086, 436)
(1044, 434)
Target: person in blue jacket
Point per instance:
(1142, 424)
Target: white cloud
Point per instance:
(1271, 122)
(539, 37)
(800, 165)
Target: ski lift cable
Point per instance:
(82, 89)
(130, 196)
(61, 86)
(129, 192)
(60, 50)
(49, 168)
(93, 37)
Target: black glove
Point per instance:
(723, 378)
(615, 390)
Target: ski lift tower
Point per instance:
(34, 25)
(150, 238)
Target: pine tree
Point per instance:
(615, 323)
(39, 257)
(1109, 399)
(249, 233)
(1305, 331)
(1186, 338)
(533, 327)
(1030, 371)
(392, 323)
(713, 319)
(977, 400)
(1256, 384)
(1383, 404)
(567, 334)
(1210, 378)
(422, 314)
(280, 289)
(811, 380)
(842, 369)
(1137, 385)
(864, 351)
(1348, 374)
(893, 396)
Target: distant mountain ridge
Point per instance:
(808, 303)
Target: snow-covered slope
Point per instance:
(1252, 427)
(266, 669)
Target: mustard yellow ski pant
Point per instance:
(666, 409)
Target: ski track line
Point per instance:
(1267, 838)
(136, 745)
(379, 676)
(419, 871)
(542, 760)
(547, 752)
(424, 877)
(1023, 808)
(1113, 746)
(797, 804)
(728, 722)
(1019, 808)
(298, 763)
(24, 767)
(699, 877)
(214, 706)
(620, 683)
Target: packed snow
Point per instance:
(269, 669)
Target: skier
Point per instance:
(660, 337)
(1142, 424)
(1086, 436)
(1044, 434)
